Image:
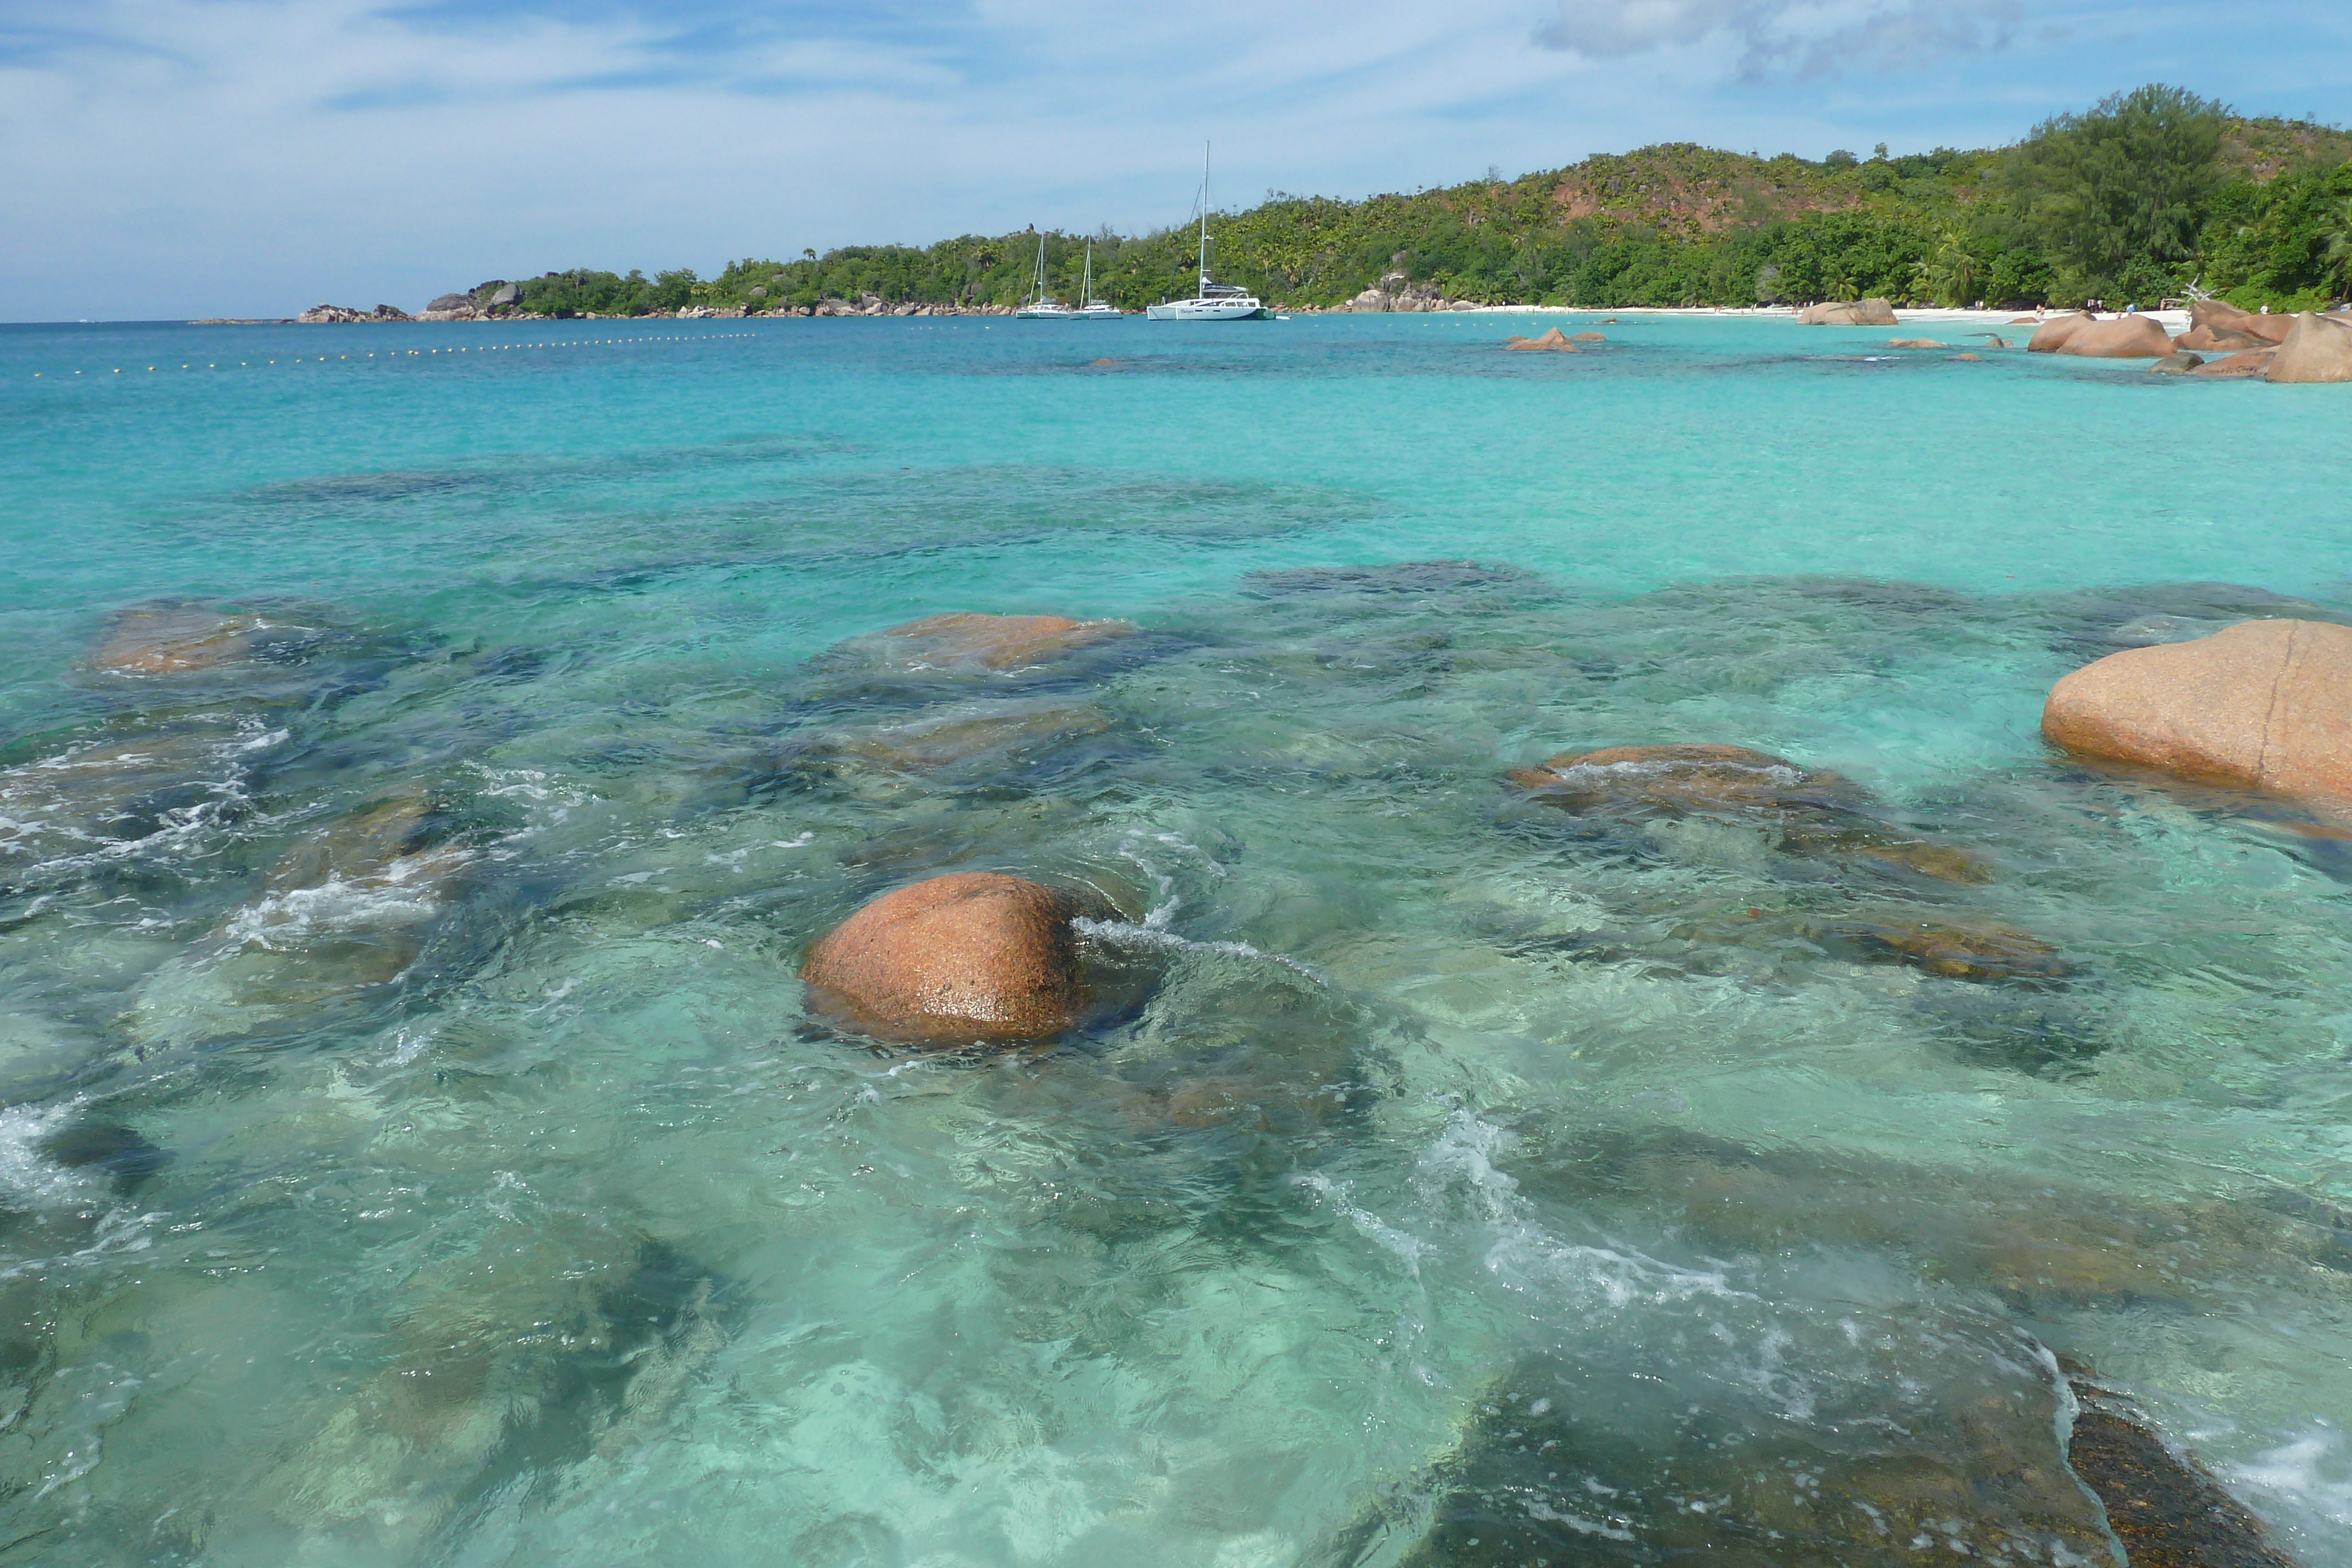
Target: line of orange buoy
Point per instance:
(485, 349)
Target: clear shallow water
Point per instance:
(456, 1178)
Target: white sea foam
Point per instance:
(2312, 1472)
(1126, 934)
(404, 893)
(23, 1169)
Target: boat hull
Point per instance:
(1208, 310)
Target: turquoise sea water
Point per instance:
(414, 1150)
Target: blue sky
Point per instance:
(170, 158)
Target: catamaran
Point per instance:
(1215, 301)
(1041, 306)
(1090, 307)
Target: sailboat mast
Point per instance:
(1204, 220)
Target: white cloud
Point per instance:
(1806, 39)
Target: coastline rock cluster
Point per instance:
(325, 314)
(2305, 348)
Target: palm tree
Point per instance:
(2336, 262)
(1951, 275)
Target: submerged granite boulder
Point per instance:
(1701, 776)
(1958, 949)
(1916, 343)
(1590, 337)
(1554, 341)
(2316, 349)
(2264, 705)
(171, 638)
(2178, 363)
(996, 641)
(973, 957)
(1809, 812)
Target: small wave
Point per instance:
(25, 1170)
(1371, 1226)
(404, 892)
(1605, 773)
(1140, 938)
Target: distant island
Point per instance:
(2151, 194)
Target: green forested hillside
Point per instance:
(2146, 195)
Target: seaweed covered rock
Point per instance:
(174, 638)
(2264, 705)
(1958, 949)
(2163, 1507)
(1705, 776)
(1813, 812)
(976, 956)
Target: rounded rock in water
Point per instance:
(977, 956)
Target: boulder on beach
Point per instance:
(2245, 366)
(977, 956)
(2214, 324)
(2316, 348)
(2124, 338)
(1554, 341)
(997, 641)
(2025, 320)
(2264, 705)
(2179, 362)
(1848, 313)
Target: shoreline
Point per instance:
(2173, 320)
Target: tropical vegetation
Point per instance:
(2151, 194)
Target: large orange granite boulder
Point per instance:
(977, 957)
(2215, 324)
(2124, 338)
(2316, 349)
(2263, 704)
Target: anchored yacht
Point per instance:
(1090, 307)
(1041, 306)
(1215, 301)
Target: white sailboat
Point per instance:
(1090, 307)
(1215, 301)
(1041, 306)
